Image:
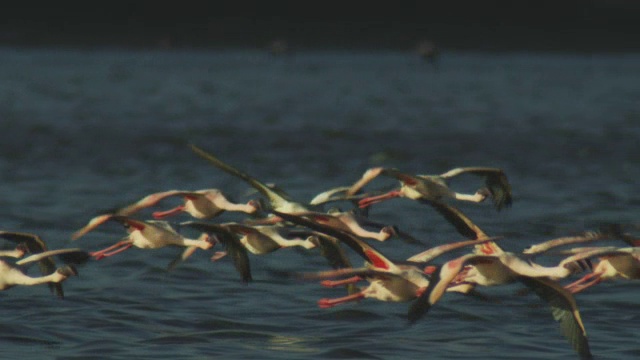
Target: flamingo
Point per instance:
(144, 235)
(524, 267)
(435, 187)
(33, 244)
(258, 239)
(347, 221)
(201, 204)
(265, 239)
(278, 199)
(388, 280)
(13, 275)
(614, 263)
(491, 270)
(489, 265)
(607, 233)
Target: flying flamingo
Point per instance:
(278, 199)
(11, 276)
(608, 233)
(29, 243)
(435, 187)
(614, 263)
(491, 266)
(144, 235)
(388, 280)
(347, 221)
(264, 239)
(490, 270)
(201, 204)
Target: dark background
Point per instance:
(595, 25)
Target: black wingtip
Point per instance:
(75, 258)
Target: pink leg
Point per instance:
(584, 283)
(335, 283)
(124, 245)
(580, 281)
(218, 255)
(327, 303)
(368, 201)
(578, 289)
(123, 248)
(164, 214)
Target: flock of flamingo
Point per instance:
(278, 222)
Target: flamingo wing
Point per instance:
(564, 310)
(35, 245)
(275, 197)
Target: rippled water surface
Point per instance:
(87, 131)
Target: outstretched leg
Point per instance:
(166, 213)
(368, 201)
(118, 247)
(336, 283)
(584, 282)
(327, 303)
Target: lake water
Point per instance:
(85, 131)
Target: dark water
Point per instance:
(86, 131)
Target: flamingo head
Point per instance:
(256, 204)
(390, 231)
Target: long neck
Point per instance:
(12, 253)
(358, 230)
(524, 268)
(16, 277)
(201, 242)
(245, 208)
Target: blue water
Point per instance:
(85, 131)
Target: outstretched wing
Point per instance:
(93, 223)
(458, 219)
(495, 180)
(436, 251)
(564, 310)
(151, 200)
(332, 251)
(368, 252)
(234, 248)
(35, 245)
(74, 255)
(238, 254)
(566, 240)
(275, 197)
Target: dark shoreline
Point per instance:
(565, 26)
